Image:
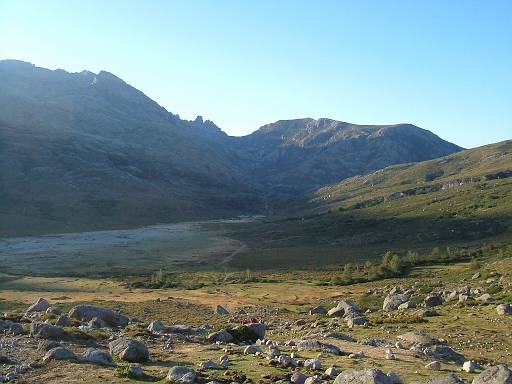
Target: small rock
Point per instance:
(434, 366)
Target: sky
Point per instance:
(444, 65)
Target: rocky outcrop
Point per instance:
(86, 313)
(129, 350)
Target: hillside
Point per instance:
(461, 200)
(84, 151)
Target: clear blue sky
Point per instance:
(444, 65)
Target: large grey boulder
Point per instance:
(315, 345)
(433, 300)
(499, 374)
(443, 352)
(362, 376)
(129, 350)
(210, 364)
(392, 302)
(156, 326)
(319, 310)
(258, 328)
(41, 305)
(96, 356)
(59, 353)
(110, 317)
(409, 339)
(222, 336)
(46, 331)
(181, 374)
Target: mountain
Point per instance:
(460, 200)
(82, 151)
(304, 154)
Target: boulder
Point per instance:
(315, 345)
(434, 366)
(319, 310)
(41, 305)
(63, 321)
(298, 378)
(222, 336)
(484, 299)
(46, 331)
(449, 378)
(46, 345)
(469, 366)
(129, 350)
(443, 352)
(433, 300)
(356, 321)
(313, 364)
(96, 356)
(392, 302)
(209, 364)
(135, 370)
(499, 374)
(110, 317)
(407, 305)
(252, 350)
(59, 353)
(54, 310)
(362, 376)
(394, 378)
(220, 310)
(156, 326)
(504, 309)
(181, 374)
(258, 328)
(409, 339)
(16, 329)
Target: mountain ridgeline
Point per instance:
(83, 151)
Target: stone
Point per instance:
(315, 345)
(407, 305)
(409, 339)
(434, 366)
(46, 345)
(477, 275)
(40, 305)
(469, 366)
(331, 372)
(54, 310)
(484, 299)
(394, 378)
(356, 321)
(156, 326)
(210, 364)
(59, 353)
(498, 374)
(312, 364)
(252, 350)
(222, 336)
(298, 378)
(129, 350)
(449, 378)
(392, 302)
(504, 309)
(135, 370)
(312, 380)
(86, 313)
(96, 356)
(181, 374)
(433, 300)
(319, 310)
(443, 352)
(258, 328)
(220, 310)
(362, 376)
(63, 321)
(46, 331)
(16, 329)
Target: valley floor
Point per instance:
(282, 301)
